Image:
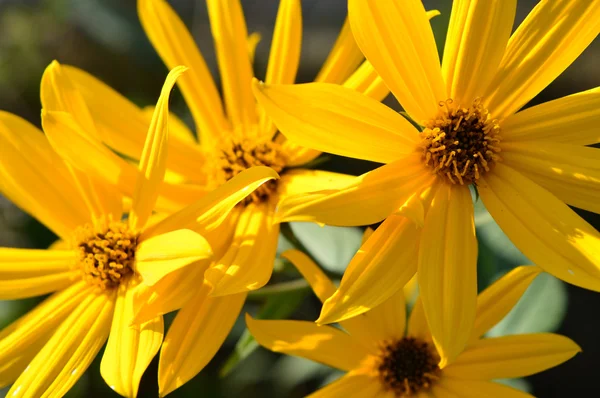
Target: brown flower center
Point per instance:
(237, 155)
(106, 253)
(461, 144)
(408, 366)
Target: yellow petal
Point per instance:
(195, 336)
(298, 155)
(545, 44)
(299, 181)
(175, 45)
(343, 58)
(129, 349)
(387, 321)
(448, 270)
(320, 284)
(212, 209)
(248, 263)
(153, 162)
(380, 269)
(500, 297)
(324, 344)
(36, 179)
(397, 39)
(229, 33)
(178, 130)
(367, 81)
(162, 254)
(458, 388)
(477, 37)
(253, 39)
(417, 323)
(352, 385)
(571, 172)
(512, 356)
(337, 120)
(22, 339)
(70, 350)
(370, 198)
(543, 227)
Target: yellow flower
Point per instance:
(95, 274)
(527, 166)
(384, 357)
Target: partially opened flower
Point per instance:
(94, 278)
(527, 167)
(386, 357)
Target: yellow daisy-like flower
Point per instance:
(95, 276)
(527, 166)
(385, 357)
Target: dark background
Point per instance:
(105, 38)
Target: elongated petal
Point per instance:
(571, 172)
(69, 352)
(545, 44)
(448, 270)
(195, 336)
(543, 227)
(320, 284)
(570, 120)
(299, 181)
(343, 58)
(366, 80)
(352, 385)
(458, 388)
(229, 33)
(248, 263)
(477, 37)
(212, 209)
(512, 356)
(175, 45)
(298, 155)
(337, 120)
(417, 323)
(369, 199)
(129, 349)
(324, 344)
(384, 263)
(500, 297)
(397, 39)
(160, 255)
(153, 162)
(36, 179)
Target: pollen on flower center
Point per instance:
(106, 253)
(461, 144)
(237, 155)
(408, 366)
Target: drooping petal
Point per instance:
(337, 120)
(571, 172)
(229, 33)
(158, 256)
(248, 264)
(153, 162)
(500, 297)
(36, 179)
(543, 227)
(384, 263)
(320, 284)
(477, 37)
(368, 199)
(195, 336)
(212, 209)
(366, 80)
(70, 350)
(129, 349)
(324, 344)
(571, 120)
(397, 39)
(545, 44)
(458, 388)
(448, 270)
(512, 356)
(352, 385)
(175, 45)
(343, 58)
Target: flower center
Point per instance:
(461, 144)
(408, 366)
(237, 155)
(106, 253)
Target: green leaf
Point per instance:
(331, 247)
(276, 306)
(541, 309)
